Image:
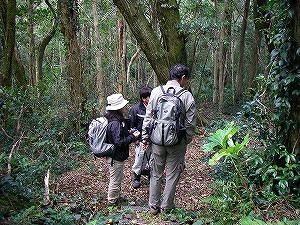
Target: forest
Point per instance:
(60, 59)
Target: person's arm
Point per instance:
(190, 117)
(116, 135)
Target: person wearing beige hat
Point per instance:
(121, 137)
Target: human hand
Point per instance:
(136, 134)
(132, 130)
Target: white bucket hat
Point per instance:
(115, 102)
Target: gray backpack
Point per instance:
(97, 138)
(166, 127)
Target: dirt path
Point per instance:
(86, 187)
(91, 182)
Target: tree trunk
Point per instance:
(1, 60)
(232, 59)
(69, 27)
(160, 56)
(19, 69)
(221, 58)
(43, 44)
(122, 54)
(9, 25)
(215, 60)
(293, 135)
(31, 45)
(239, 77)
(99, 73)
(173, 40)
(255, 48)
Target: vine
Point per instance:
(284, 62)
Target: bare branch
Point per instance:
(46, 181)
(131, 62)
(6, 133)
(10, 155)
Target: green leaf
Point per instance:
(250, 221)
(222, 138)
(209, 146)
(213, 161)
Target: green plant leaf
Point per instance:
(222, 138)
(213, 161)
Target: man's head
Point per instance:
(145, 93)
(180, 73)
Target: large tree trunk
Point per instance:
(173, 40)
(239, 76)
(255, 48)
(69, 27)
(19, 69)
(160, 56)
(11, 58)
(8, 14)
(293, 136)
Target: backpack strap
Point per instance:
(180, 92)
(162, 89)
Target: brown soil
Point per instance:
(91, 181)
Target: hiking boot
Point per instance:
(120, 201)
(136, 182)
(165, 211)
(154, 210)
(114, 204)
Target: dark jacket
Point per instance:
(117, 134)
(136, 115)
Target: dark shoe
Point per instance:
(136, 184)
(122, 200)
(114, 204)
(165, 211)
(118, 202)
(154, 210)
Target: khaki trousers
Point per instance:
(115, 179)
(171, 160)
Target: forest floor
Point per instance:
(92, 178)
(90, 181)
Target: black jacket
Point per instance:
(117, 134)
(136, 115)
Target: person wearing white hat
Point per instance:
(119, 135)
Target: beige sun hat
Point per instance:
(115, 102)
